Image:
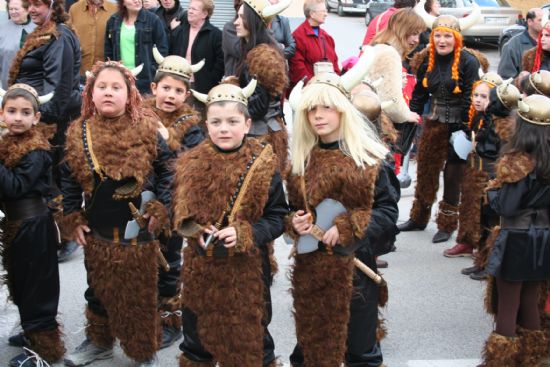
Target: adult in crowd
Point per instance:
(379, 22)
(16, 25)
(130, 36)
(538, 58)
(231, 44)
(197, 39)
(151, 5)
(512, 52)
(432, 7)
(89, 20)
(280, 30)
(171, 13)
(313, 44)
(447, 72)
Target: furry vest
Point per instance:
(512, 167)
(177, 122)
(122, 149)
(269, 67)
(15, 147)
(206, 179)
(331, 174)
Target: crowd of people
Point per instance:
(113, 115)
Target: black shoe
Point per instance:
(441, 236)
(18, 340)
(470, 270)
(411, 225)
(67, 250)
(169, 336)
(479, 275)
(27, 360)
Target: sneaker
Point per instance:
(86, 353)
(459, 250)
(169, 336)
(18, 340)
(470, 270)
(29, 358)
(480, 275)
(153, 362)
(67, 250)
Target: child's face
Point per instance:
(480, 97)
(226, 125)
(325, 122)
(170, 93)
(110, 93)
(19, 115)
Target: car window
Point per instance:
(490, 3)
(448, 3)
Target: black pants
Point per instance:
(169, 281)
(34, 273)
(362, 348)
(191, 345)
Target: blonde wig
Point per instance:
(358, 138)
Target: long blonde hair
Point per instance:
(358, 138)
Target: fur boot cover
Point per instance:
(491, 293)
(111, 137)
(501, 351)
(269, 66)
(533, 345)
(528, 59)
(184, 362)
(124, 279)
(47, 343)
(98, 330)
(447, 217)
(469, 211)
(8, 231)
(170, 311)
(177, 122)
(432, 154)
(322, 289)
(225, 293)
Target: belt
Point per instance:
(25, 208)
(527, 218)
(116, 235)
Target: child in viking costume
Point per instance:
(520, 257)
(262, 58)
(337, 155)
(475, 222)
(113, 156)
(29, 236)
(446, 73)
(229, 204)
(170, 88)
(538, 58)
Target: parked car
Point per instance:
(511, 31)
(347, 6)
(495, 15)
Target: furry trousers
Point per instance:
(471, 191)
(227, 297)
(124, 280)
(322, 289)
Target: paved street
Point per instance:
(435, 315)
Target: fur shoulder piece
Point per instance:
(388, 133)
(480, 56)
(122, 149)
(514, 167)
(177, 122)
(15, 147)
(505, 126)
(206, 179)
(37, 38)
(269, 67)
(418, 59)
(528, 59)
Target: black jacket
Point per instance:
(167, 16)
(149, 32)
(207, 46)
(55, 67)
(280, 30)
(30, 178)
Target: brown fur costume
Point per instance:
(471, 194)
(505, 127)
(432, 154)
(500, 351)
(533, 346)
(279, 141)
(447, 217)
(269, 67)
(226, 294)
(168, 307)
(98, 330)
(47, 343)
(491, 293)
(528, 59)
(124, 278)
(322, 284)
(189, 115)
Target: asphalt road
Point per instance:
(435, 315)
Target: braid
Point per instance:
(456, 62)
(471, 114)
(538, 55)
(431, 60)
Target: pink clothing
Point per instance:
(377, 24)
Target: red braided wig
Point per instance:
(456, 60)
(538, 54)
(133, 105)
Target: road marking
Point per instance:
(444, 363)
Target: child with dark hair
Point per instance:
(28, 232)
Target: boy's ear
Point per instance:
(36, 118)
(154, 88)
